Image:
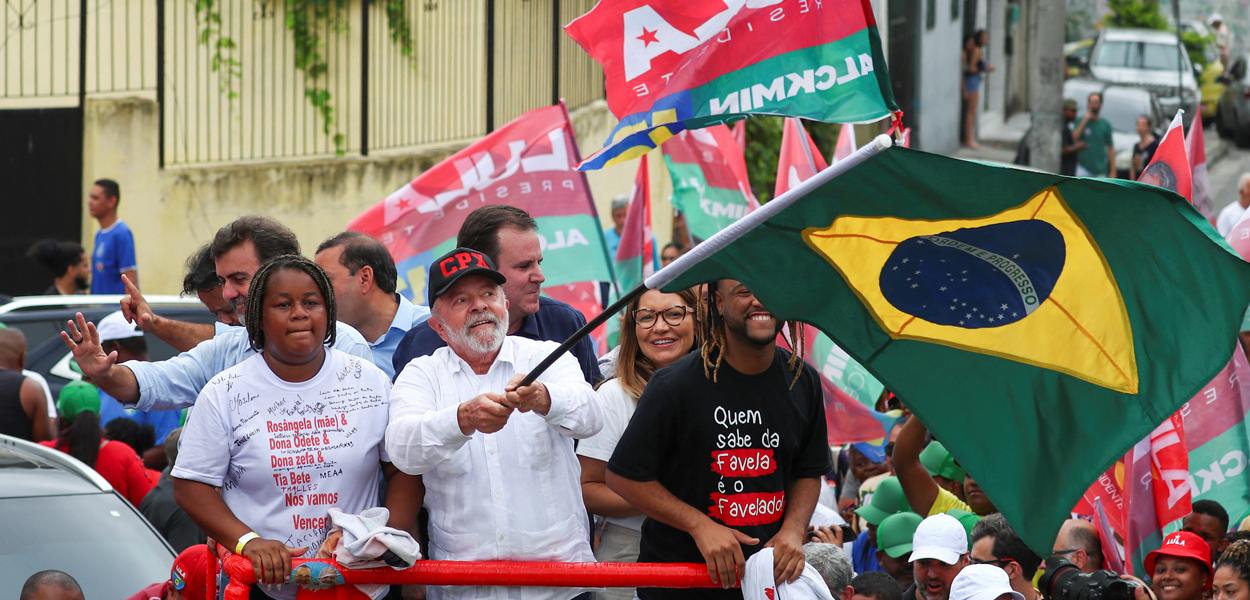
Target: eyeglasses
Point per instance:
(997, 562)
(1065, 552)
(673, 315)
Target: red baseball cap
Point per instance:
(1182, 544)
(189, 574)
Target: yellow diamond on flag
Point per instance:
(1027, 284)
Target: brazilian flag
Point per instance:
(1040, 325)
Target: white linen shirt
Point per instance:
(510, 495)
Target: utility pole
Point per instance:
(1045, 48)
(1180, 51)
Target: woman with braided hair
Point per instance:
(758, 413)
(1232, 572)
(288, 433)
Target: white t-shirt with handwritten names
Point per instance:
(284, 453)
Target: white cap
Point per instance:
(115, 327)
(758, 582)
(939, 537)
(1215, 18)
(982, 582)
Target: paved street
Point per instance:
(1224, 174)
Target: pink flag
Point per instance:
(846, 143)
(633, 255)
(799, 159)
(1196, 147)
(1169, 167)
(740, 133)
(904, 138)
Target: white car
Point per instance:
(1150, 59)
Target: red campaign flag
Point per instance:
(529, 163)
(739, 130)
(799, 159)
(675, 65)
(1169, 167)
(1169, 470)
(1213, 424)
(1196, 147)
(846, 143)
(709, 173)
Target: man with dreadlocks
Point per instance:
(725, 451)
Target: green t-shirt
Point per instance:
(1097, 138)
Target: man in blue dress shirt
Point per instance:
(509, 236)
(364, 278)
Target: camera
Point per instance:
(1065, 581)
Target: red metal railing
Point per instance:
(474, 573)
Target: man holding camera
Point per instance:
(1098, 157)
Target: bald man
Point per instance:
(23, 407)
(1078, 542)
(51, 585)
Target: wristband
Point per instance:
(243, 540)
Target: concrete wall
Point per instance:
(173, 211)
(938, 96)
(996, 82)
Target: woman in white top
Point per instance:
(659, 329)
(289, 433)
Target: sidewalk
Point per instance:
(999, 139)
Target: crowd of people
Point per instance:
(328, 410)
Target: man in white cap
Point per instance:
(126, 339)
(983, 582)
(1223, 36)
(939, 552)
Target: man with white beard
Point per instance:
(500, 474)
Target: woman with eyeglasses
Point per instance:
(659, 329)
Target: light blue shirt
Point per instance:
(408, 315)
(176, 383)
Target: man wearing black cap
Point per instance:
(511, 495)
(509, 237)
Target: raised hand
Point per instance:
(135, 307)
(84, 342)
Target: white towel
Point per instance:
(758, 583)
(368, 543)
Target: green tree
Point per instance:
(1136, 13)
(1196, 45)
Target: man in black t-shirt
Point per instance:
(724, 455)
